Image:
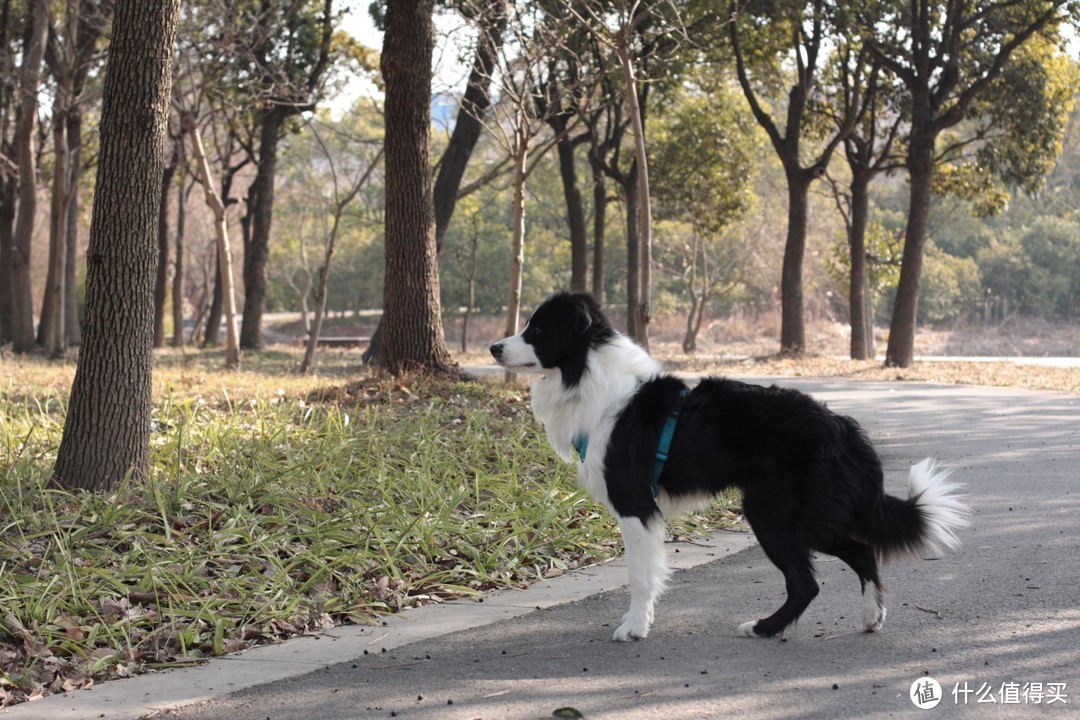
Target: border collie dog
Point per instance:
(648, 447)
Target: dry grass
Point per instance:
(276, 506)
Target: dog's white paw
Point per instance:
(748, 629)
(631, 629)
(873, 617)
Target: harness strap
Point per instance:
(664, 447)
(581, 444)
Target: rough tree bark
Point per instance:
(792, 325)
(412, 332)
(861, 340)
(641, 309)
(575, 207)
(257, 244)
(161, 281)
(62, 57)
(72, 324)
(93, 20)
(8, 175)
(467, 128)
(24, 141)
(178, 275)
(633, 253)
(900, 351)
(107, 429)
(600, 200)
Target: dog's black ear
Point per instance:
(583, 319)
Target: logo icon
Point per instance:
(925, 693)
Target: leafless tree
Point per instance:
(221, 232)
(342, 196)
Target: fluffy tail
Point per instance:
(925, 523)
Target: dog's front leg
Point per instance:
(647, 564)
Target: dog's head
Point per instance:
(559, 335)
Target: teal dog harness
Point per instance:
(667, 434)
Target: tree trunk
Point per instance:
(600, 201)
(52, 333)
(517, 242)
(22, 308)
(792, 322)
(869, 316)
(178, 274)
(468, 124)
(860, 215)
(304, 294)
(107, 429)
(72, 323)
(161, 284)
(467, 128)
(90, 27)
(693, 318)
(517, 238)
(315, 330)
(641, 308)
(575, 213)
(212, 333)
(257, 246)
(412, 337)
(633, 254)
(7, 221)
(472, 293)
(900, 351)
(7, 181)
(224, 249)
(217, 302)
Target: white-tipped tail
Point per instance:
(937, 500)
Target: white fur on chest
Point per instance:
(615, 370)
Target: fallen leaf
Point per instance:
(568, 712)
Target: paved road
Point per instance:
(1001, 615)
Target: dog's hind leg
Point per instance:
(793, 559)
(647, 564)
(860, 558)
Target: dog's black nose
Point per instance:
(496, 351)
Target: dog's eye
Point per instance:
(537, 332)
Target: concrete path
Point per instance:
(999, 620)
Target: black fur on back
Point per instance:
(563, 330)
(802, 468)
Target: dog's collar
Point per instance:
(581, 444)
(664, 446)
